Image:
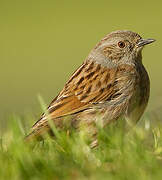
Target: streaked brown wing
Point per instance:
(90, 84)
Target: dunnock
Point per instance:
(111, 83)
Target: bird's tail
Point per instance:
(36, 134)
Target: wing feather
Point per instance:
(89, 85)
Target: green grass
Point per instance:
(135, 155)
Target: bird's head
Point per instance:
(119, 47)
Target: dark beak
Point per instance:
(143, 42)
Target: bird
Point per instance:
(111, 83)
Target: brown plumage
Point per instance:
(111, 83)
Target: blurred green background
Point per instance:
(43, 42)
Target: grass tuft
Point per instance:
(133, 155)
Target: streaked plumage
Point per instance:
(111, 83)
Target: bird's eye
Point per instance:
(121, 44)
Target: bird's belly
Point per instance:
(133, 117)
(136, 108)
